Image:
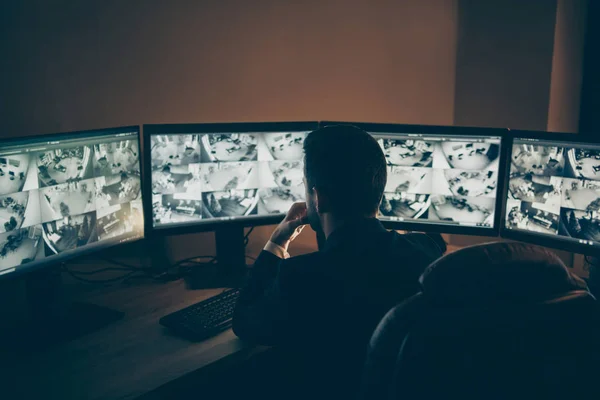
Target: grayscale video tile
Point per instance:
(70, 232)
(409, 180)
(216, 177)
(176, 208)
(231, 203)
(173, 150)
(67, 199)
(528, 159)
(278, 200)
(466, 155)
(120, 219)
(64, 165)
(21, 246)
(218, 147)
(408, 152)
(404, 205)
(458, 209)
(287, 146)
(468, 183)
(582, 163)
(19, 210)
(535, 217)
(579, 224)
(117, 189)
(17, 173)
(537, 189)
(116, 157)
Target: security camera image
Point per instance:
(20, 247)
(230, 147)
(408, 180)
(232, 203)
(466, 183)
(470, 155)
(172, 179)
(118, 220)
(580, 195)
(408, 152)
(70, 232)
(583, 163)
(537, 160)
(287, 174)
(531, 217)
(581, 224)
(285, 145)
(64, 165)
(404, 205)
(278, 200)
(472, 210)
(67, 199)
(18, 210)
(537, 189)
(117, 189)
(116, 157)
(229, 176)
(176, 208)
(169, 150)
(13, 172)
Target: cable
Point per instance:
(125, 265)
(98, 281)
(247, 237)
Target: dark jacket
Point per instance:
(325, 305)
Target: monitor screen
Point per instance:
(553, 191)
(440, 179)
(63, 195)
(230, 174)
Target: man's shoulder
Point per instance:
(427, 242)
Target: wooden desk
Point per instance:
(128, 358)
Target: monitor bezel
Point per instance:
(212, 127)
(556, 242)
(55, 260)
(375, 127)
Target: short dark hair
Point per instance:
(347, 164)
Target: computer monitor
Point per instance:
(64, 195)
(440, 179)
(553, 191)
(222, 177)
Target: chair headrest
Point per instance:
(500, 272)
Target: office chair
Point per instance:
(493, 321)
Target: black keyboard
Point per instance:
(205, 319)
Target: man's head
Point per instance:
(345, 174)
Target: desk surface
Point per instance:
(128, 358)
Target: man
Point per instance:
(323, 307)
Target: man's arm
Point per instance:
(262, 311)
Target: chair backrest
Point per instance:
(501, 320)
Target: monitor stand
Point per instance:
(48, 317)
(231, 252)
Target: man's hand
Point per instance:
(291, 226)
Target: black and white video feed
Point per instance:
(19, 210)
(283, 174)
(469, 210)
(285, 145)
(471, 155)
(64, 165)
(408, 152)
(583, 225)
(14, 170)
(116, 157)
(217, 177)
(537, 189)
(70, 232)
(533, 217)
(278, 200)
(117, 189)
(172, 179)
(583, 163)
(537, 160)
(404, 205)
(456, 182)
(581, 195)
(170, 150)
(67, 199)
(408, 180)
(229, 147)
(231, 203)
(20, 247)
(119, 219)
(176, 208)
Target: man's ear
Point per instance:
(322, 201)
